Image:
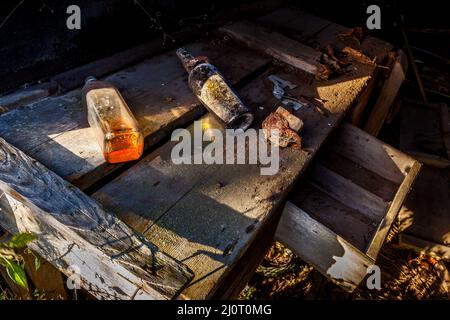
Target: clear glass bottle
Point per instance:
(116, 128)
(214, 91)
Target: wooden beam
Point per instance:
(114, 262)
(424, 246)
(430, 159)
(385, 226)
(313, 30)
(26, 96)
(235, 281)
(387, 95)
(276, 45)
(326, 251)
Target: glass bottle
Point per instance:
(214, 91)
(117, 130)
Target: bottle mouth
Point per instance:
(243, 121)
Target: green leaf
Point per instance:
(21, 240)
(17, 274)
(37, 263)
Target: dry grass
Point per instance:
(405, 275)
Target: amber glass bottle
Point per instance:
(214, 91)
(117, 130)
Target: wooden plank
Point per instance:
(425, 246)
(371, 153)
(360, 105)
(349, 193)
(317, 32)
(387, 95)
(75, 77)
(299, 24)
(337, 216)
(430, 159)
(73, 229)
(276, 45)
(25, 96)
(325, 250)
(192, 212)
(445, 127)
(235, 281)
(56, 133)
(387, 222)
(359, 175)
(425, 214)
(422, 139)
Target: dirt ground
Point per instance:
(404, 275)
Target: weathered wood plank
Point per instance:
(387, 95)
(235, 281)
(318, 32)
(359, 175)
(325, 250)
(372, 154)
(25, 96)
(56, 133)
(349, 223)
(275, 44)
(425, 214)
(73, 229)
(425, 246)
(349, 193)
(386, 224)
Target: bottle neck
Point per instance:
(188, 60)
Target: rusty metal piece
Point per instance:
(278, 92)
(354, 36)
(357, 55)
(324, 73)
(285, 136)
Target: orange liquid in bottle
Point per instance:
(125, 146)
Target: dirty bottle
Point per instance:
(116, 129)
(214, 91)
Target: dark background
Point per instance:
(35, 43)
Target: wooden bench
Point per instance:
(201, 219)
